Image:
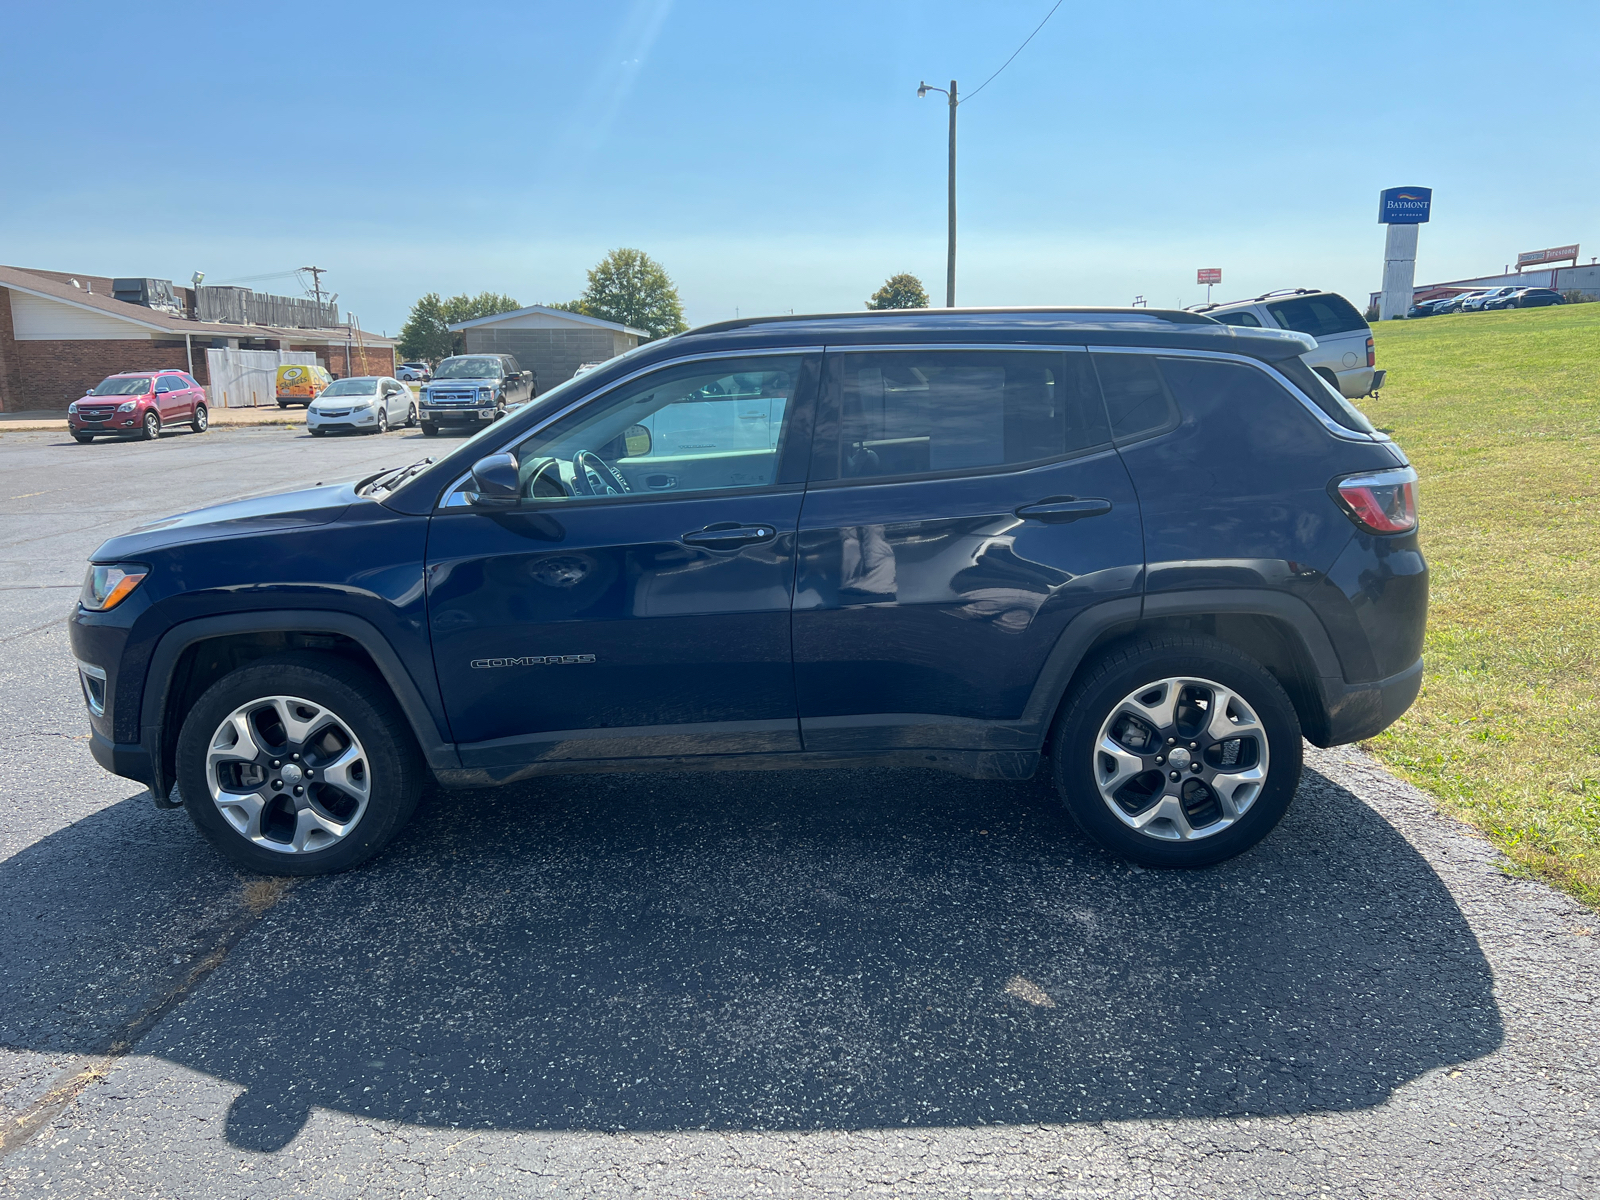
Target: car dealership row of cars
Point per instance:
(1487, 300)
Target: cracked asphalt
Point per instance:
(826, 983)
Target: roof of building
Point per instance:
(546, 311)
(45, 285)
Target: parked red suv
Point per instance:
(139, 404)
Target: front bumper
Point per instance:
(119, 423)
(365, 419)
(1357, 711)
(457, 414)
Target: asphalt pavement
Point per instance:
(817, 983)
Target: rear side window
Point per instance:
(1137, 399)
(1322, 315)
(1316, 390)
(908, 412)
(1246, 319)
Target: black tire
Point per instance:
(319, 433)
(283, 404)
(429, 429)
(1121, 673)
(411, 417)
(152, 425)
(359, 701)
(201, 421)
(83, 439)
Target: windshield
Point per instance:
(352, 387)
(471, 367)
(137, 386)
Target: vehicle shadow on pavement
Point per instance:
(818, 950)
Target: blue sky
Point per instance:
(775, 156)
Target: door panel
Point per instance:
(925, 605)
(660, 633)
(599, 616)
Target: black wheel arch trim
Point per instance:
(1314, 699)
(437, 749)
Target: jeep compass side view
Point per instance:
(1143, 551)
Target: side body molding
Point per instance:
(436, 747)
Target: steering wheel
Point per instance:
(593, 476)
(545, 483)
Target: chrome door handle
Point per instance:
(729, 537)
(1058, 510)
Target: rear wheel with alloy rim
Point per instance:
(202, 419)
(152, 425)
(1177, 751)
(298, 765)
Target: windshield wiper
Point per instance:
(387, 481)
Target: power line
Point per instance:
(1014, 54)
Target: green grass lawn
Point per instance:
(1500, 413)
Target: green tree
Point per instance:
(426, 336)
(631, 288)
(900, 291)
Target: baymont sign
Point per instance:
(1404, 205)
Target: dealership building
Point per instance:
(1535, 268)
(61, 333)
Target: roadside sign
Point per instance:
(1532, 258)
(1208, 275)
(1404, 205)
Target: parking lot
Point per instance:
(815, 983)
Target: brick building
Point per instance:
(59, 338)
(553, 342)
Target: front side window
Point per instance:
(1245, 319)
(911, 412)
(691, 428)
(472, 366)
(170, 383)
(136, 385)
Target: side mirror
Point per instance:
(495, 480)
(637, 439)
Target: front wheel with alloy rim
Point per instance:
(383, 420)
(1177, 751)
(152, 425)
(411, 416)
(298, 765)
(202, 419)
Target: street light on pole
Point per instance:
(950, 254)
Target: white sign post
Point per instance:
(1402, 209)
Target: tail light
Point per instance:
(1381, 501)
(1372, 359)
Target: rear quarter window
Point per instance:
(1247, 319)
(1321, 316)
(1137, 399)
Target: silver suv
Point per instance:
(1343, 355)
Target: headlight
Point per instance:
(485, 393)
(73, 407)
(106, 586)
(128, 407)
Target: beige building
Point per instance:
(552, 342)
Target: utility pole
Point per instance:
(950, 255)
(316, 285)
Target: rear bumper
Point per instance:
(1361, 710)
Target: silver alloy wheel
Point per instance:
(288, 774)
(1181, 759)
(202, 419)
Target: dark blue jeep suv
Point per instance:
(1142, 549)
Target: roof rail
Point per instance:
(1177, 315)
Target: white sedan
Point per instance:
(364, 404)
